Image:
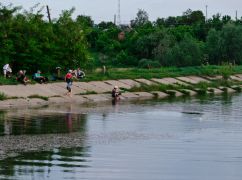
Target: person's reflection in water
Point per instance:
(69, 118)
(115, 103)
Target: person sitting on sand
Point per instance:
(39, 78)
(21, 77)
(116, 93)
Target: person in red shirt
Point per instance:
(68, 79)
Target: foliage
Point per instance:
(30, 42)
(149, 64)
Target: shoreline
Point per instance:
(38, 95)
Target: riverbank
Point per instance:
(99, 91)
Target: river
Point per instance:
(176, 139)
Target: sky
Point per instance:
(104, 10)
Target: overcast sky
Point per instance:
(104, 10)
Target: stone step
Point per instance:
(188, 91)
(175, 93)
(130, 82)
(187, 80)
(146, 82)
(144, 94)
(160, 94)
(215, 90)
(118, 83)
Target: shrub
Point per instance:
(147, 63)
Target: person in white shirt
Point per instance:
(7, 70)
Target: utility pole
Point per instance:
(206, 13)
(236, 15)
(119, 16)
(48, 13)
(114, 21)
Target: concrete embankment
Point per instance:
(97, 91)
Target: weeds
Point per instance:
(39, 97)
(3, 97)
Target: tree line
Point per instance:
(30, 42)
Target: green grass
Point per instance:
(134, 73)
(3, 97)
(87, 93)
(39, 97)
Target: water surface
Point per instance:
(173, 140)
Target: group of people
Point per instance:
(72, 74)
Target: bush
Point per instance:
(147, 63)
(124, 59)
(226, 71)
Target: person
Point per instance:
(57, 74)
(68, 79)
(116, 93)
(39, 78)
(21, 77)
(79, 73)
(7, 70)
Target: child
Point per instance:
(68, 79)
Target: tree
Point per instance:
(213, 47)
(141, 19)
(188, 52)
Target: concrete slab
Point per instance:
(118, 83)
(175, 81)
(236, 88)
(102, 85)
(89, 87)
(215, 90)
(160, 94)
(187, 80)
(146, 82)
(213, 78)
(190, 92)
(58, 100)
(176, 93)
(130, 82)
(198, 79)
(238, 75)
(144, 95)
(129, 95)
(96, 97)
(161, 81)
(107, 96)
(227, 89)
(235, 78)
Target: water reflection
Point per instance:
(34, 122)
(41, 165)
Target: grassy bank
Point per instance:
(134, 73)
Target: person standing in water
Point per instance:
(68, 79)
(116, 93)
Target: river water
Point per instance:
(186, 139)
